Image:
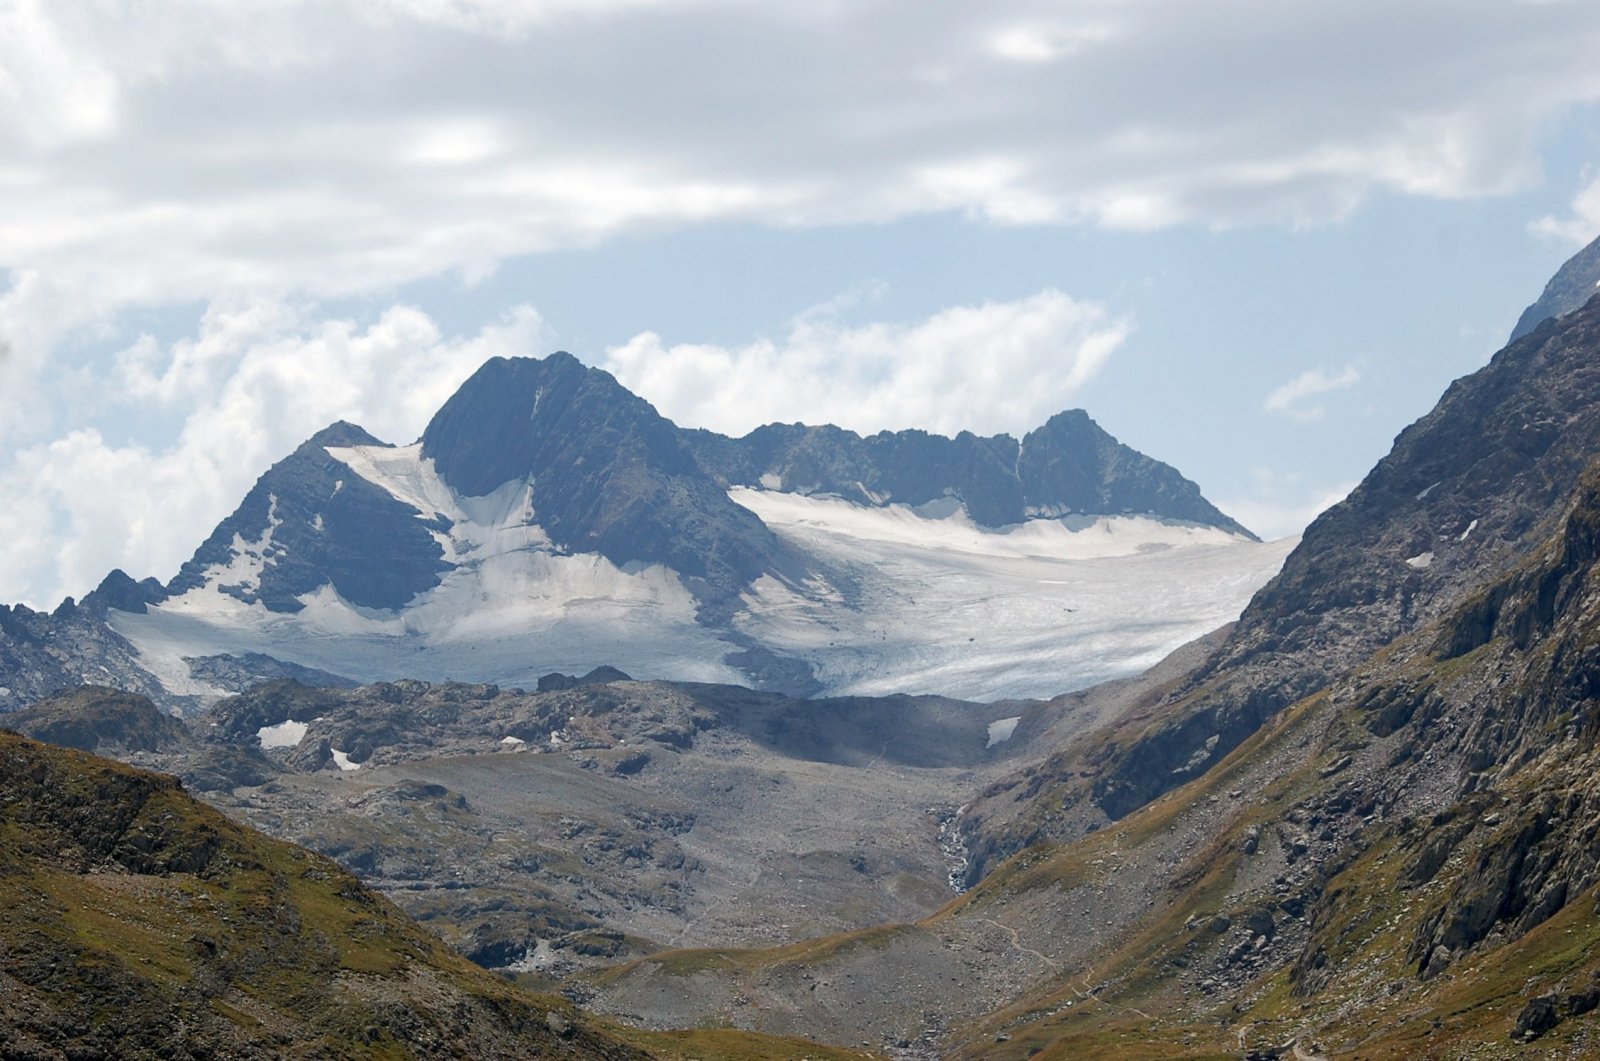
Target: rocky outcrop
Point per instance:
(44, 652)
(98, 719)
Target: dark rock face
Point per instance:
(608, 474)
(602, 675)
(1068, 466)
(909, 467)
(314, 522)
(118, 590)
(1572, 286)
(1467, 491)
(1071, 462)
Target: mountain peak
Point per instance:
(606, 473)
(513, 417)
(342, 433)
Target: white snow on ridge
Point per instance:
(946, 526)
(482, 527)
(512, 608)
(910, 600)
(247, 559)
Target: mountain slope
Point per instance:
(141, 924)
(307, 523)
(606, 473)
(1400, 866)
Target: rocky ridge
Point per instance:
(546, 504)
(1068, 466)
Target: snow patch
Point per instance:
(1470, 528)
(247, 559)
(771, 481)
(343, 761)
(286, 734)
(513, 742)
(1422, 561)
(1423, 496)
(1001, 730)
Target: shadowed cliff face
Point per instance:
(311, 522)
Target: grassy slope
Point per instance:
(138, 922)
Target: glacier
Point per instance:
(917, 600)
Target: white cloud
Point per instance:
(1582, 226)
(252, 385)
(199, 148)
(992, 367)
(1045, 42)
(51, 96)
(1282, 505)
(1290, 399)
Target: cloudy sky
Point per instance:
(1252, 239)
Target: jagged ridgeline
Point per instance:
(550, 520)
(605, 473)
